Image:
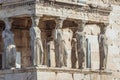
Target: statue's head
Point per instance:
(103, 28)
(80, 29)
(8, 23)
(35, 21)
(81, 25)
(59, 23)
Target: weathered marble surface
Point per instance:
(113, 33)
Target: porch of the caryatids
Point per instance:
(36, 42)
(9, 55)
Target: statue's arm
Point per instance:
(85, 42)
(99, 38)
(76, 34)
(55, 34)
(4, 39)
(3, 34)
(42, 47)
(13, 38)
(106, 40)
(31, 34)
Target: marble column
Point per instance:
(9, 55)
(81, 44)
(36, 42)
(88, 54)
(60, 48)
(103, 46)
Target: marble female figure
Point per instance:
(74, 52)
(60, 49)
(9, 46)
(36, 42)
(103, 48)
(81, 46)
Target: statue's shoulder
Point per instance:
(4, 32)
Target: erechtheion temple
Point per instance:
(59, 40)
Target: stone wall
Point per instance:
(113, 34)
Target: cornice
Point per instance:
(92, 12)
(104, 8)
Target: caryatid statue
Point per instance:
(74, 52)
(81, 45)
(103, 47)
(9, 55)
(60, 48)
(36, 42)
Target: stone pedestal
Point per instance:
(42, 73)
